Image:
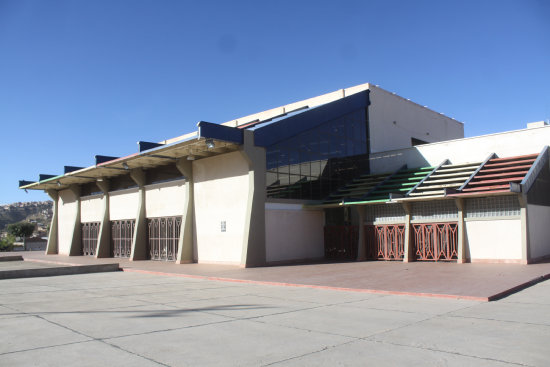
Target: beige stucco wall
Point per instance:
(293, 233)
(393, 120)
(476, 149)
(221, 186)
(165, 199)
(91, 208)
(68, 210)
(498, 239)
(539, 230)
(123, 204)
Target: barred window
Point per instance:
(496, 206)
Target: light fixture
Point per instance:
(190, 157)
(125, 166)
(26, 192)
(58, 183)
(210, 143)
(99, 179)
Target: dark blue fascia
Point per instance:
(104, 158)
(42, 176)
(25, 182)
(145, 145)
(67, 169)
(220, 132)
(293, 125)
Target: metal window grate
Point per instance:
(434, 210)
(122, 235)
(164, 234)
(435, 241)
(498, 206)
(385, 242)
(90, 235)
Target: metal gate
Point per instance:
(122, 235)
(385, 242)
(436, 241)
(90, 235)
(164, 234)
(341, 242)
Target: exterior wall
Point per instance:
(494, 239)
(393, 120)
(91, 208)
(293, 233)
(123, 204)
(68, 210)
(221, 187)
(165, 199)
(539, 231)
(476, 149)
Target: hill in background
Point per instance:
(38, 212)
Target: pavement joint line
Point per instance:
(450, 352)
(497, 320)
(298, 285)
(44, 347)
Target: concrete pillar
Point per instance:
(76, 242)
(253, 249)
(409, 254)
(361, 249)
(524, 215)
(462, 253)
(104, 240)
(185, 243)
(139, 242)
(51, 247)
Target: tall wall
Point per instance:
(68, 212)
(91, 208)
(475, 149)
(293, 233)
(165, 199)
(494, 240)
(393, 120)
(221, 188)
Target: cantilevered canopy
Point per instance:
(206, 142)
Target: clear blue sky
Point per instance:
(80, 78)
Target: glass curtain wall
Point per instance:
(316, 162)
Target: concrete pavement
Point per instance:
(134, 319)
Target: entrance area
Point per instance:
(435, 241)
(122, 234)
(90, 235)
(163, 235)
(385, 242)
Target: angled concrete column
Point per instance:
(361, 249)
(185, 243)
(253, 249)
(104, 240)
(139, 242)
(51, 247)
(525, 250)
(408, 245)
(76, 242)
(462, 253)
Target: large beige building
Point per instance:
(356, 174)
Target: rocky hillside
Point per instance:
(39, 212)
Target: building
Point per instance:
(356, 174)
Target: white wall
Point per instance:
(293, 233)
(539, 230)
(476, 149)
(165, 199)
(221, 185)
(123, 204)
(91, 208)
(68, 209)
(393, 120)
(494, 239)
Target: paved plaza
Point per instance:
(136, 319)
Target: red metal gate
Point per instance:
(435, 241)
(122, 235)
(341, 242)
(385, 242)
(164, 234)
(90, 235)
